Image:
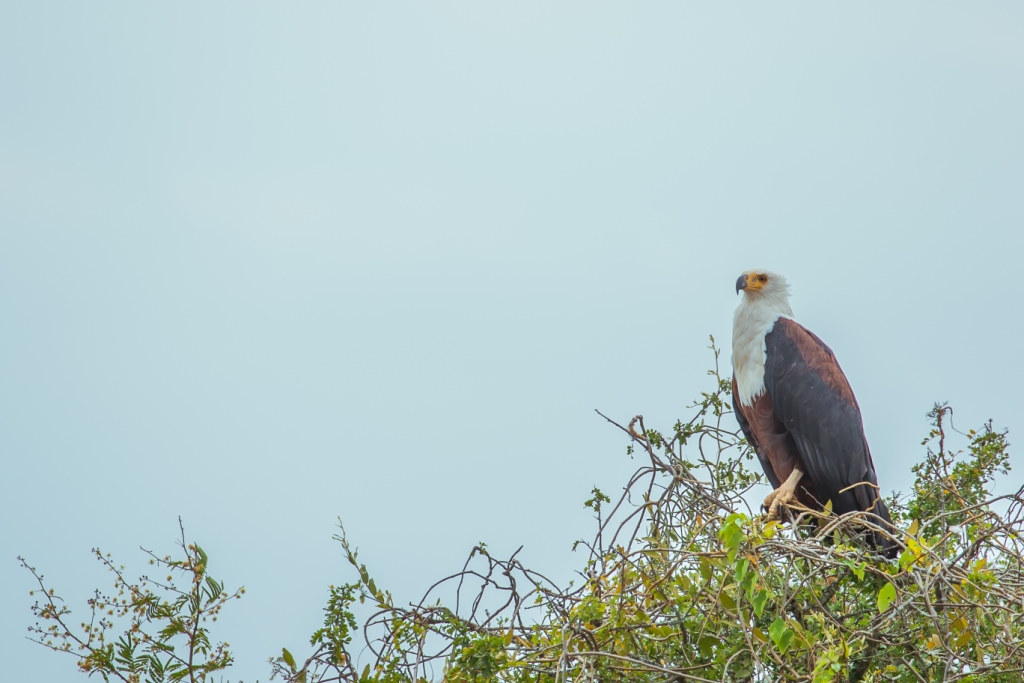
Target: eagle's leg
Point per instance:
(785, 494)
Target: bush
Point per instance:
(683, 582)
(165, 635)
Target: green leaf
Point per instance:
(732, 536)
(706, 571)
(706, 645)
(759, 602)
(886, 596)
(906, 558)
(781, 634)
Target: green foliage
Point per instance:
(885, 596)
(950, 484)
(164, 620)
(683, 581)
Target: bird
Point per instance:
(797, 410)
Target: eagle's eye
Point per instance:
(762, 278)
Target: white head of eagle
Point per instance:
(797, 410)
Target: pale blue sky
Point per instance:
(265, 265)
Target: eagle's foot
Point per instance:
(782, 496)
(776, 500)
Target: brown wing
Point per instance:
(814, 402)
(775, 448)
(748, 433)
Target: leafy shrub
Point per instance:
(165, 638)
(683, 581)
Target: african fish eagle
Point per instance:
(796, 408)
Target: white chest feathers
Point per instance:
(755, 317)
